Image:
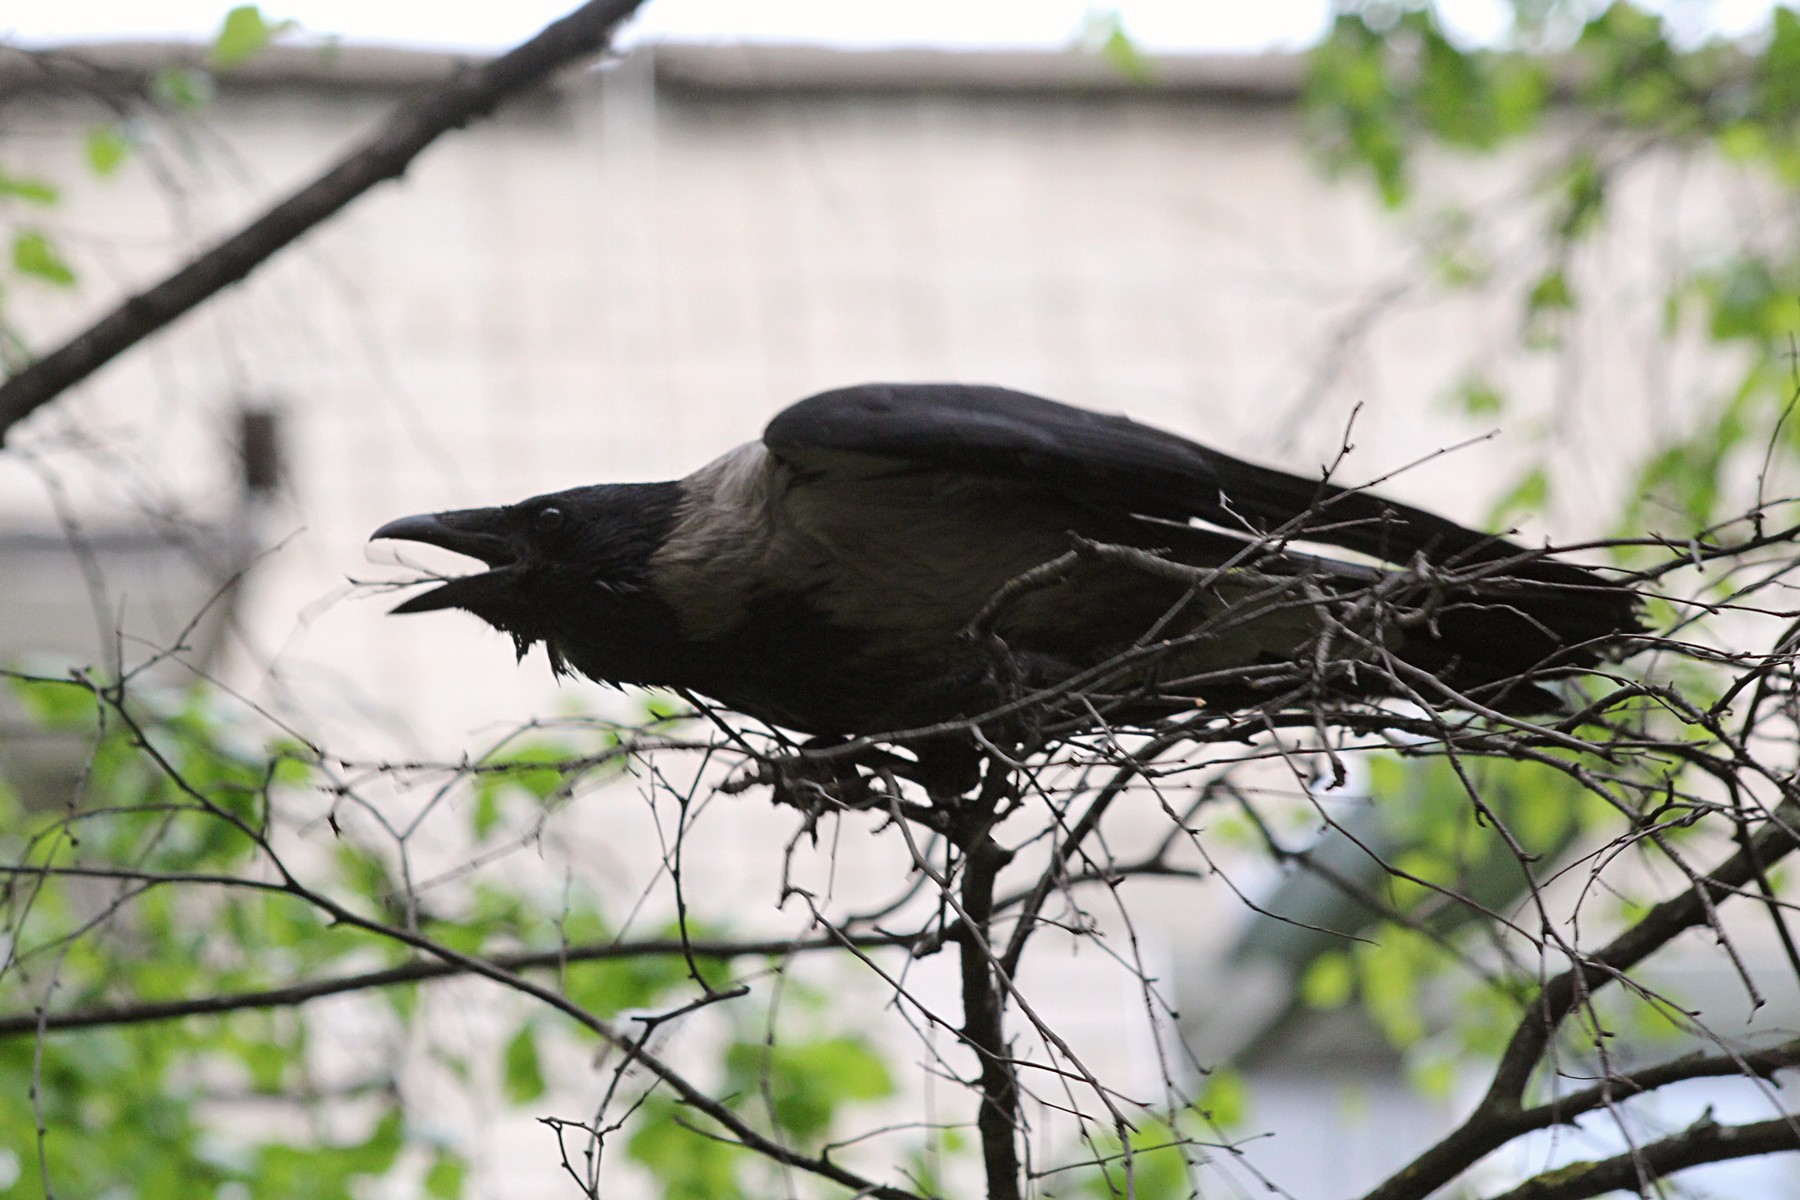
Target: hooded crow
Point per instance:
(894, 556)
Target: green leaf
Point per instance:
(1390, 974)
(293, 764)
(1743, 141)
(487, 811)
(806, 1082)
(1353, 104)
(1751, 301)
(182, 87)
(375, 1155)
(1433, 1075)
(1529, 495)
(107, 149)
(365, 871)
(1104, 32)
(1778, 81)
(34, 254)
(1151, 1164)
(1551, 293)
(1329, 981)
(1476, 99)
(1543, 820)
(244, 35)
(55, 704)
(522, 1072)
(663, 706)
(1126, 58)
(1225, 1099)
(1479, 398)
(445, 1178)
(536, 767)
(1584, 196)
(31, 191)
(688, 1165)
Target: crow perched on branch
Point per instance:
(892, 556)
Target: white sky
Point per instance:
(1171, 25)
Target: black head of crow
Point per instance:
(864, 569)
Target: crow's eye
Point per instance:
(549, 519)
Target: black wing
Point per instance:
(1119, 464)
(1116, 463)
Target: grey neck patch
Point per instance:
(725, 528)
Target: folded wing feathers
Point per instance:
(1116, 463)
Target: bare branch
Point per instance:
(1705, 1142)
(31, 1024)
(386, 155)
(1497, 1119)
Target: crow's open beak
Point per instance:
(476, 532)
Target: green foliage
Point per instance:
(686, 1165)
(107, 147)
(245, 33)
(31, 191)
(1478, 398)
(184, 784)
(1152, 1163)
(1530, 494)
(795, 1088)
(1329, 981)
(523, 1073)
(285, 1171)
(1387, 83)
(56, 704)
(1428, 808)
(1452, 864)
(1387, 76)
(805, 1082)
(1103, 32)
(182, 87)
(607, 987)
(1355, 106)
(1225, 1100)
(534, 767)
(1583, 197)
(1433, 1074)
(1637, 74)
(34, 254)
(446, 1176)
(542, 769)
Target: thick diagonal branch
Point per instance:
(1705, 1142)
(1499, 1117)
(386, 155)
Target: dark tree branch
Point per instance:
(608, 1031)
(1663, 923)
(984, 1026)
(1760, 1064)
(31, 1024)
(1704, 1142)
(1499, 1117)
(468, 96)
(689, 1094)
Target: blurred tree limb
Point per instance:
(468, 96)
